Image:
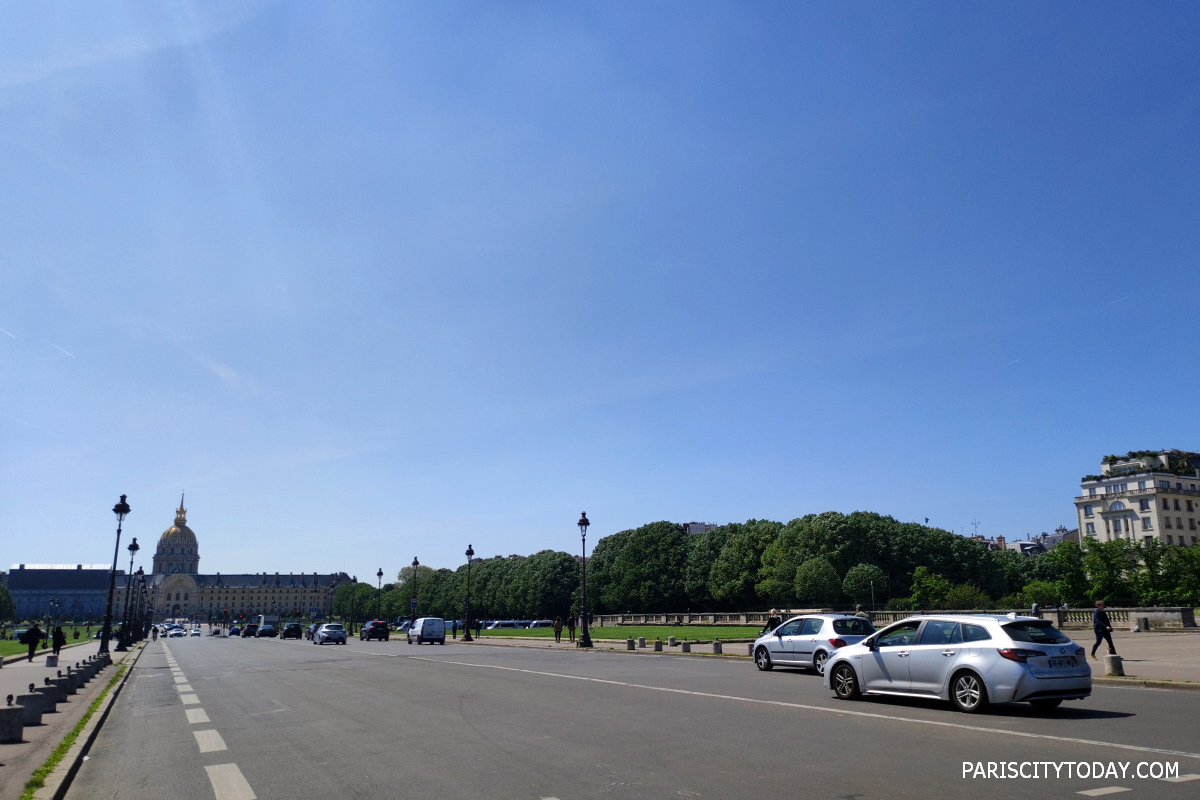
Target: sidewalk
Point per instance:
(1153, 655)
(18, 761)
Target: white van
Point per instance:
(428, 629)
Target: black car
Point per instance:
(375, 629)
(267, 631)
(250, 631)
(291, 630)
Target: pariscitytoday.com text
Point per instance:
(1041, 770)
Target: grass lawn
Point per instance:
(651, 632)
(10, 647)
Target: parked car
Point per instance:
(291, 630)
(808, 640)
(267, 632)
(250, 631)
(967, 659)
(427, 629)
(542, 623)
(235, 630)
(375, 629)
(502, 624)
(330, 632)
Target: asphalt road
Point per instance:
(273, 719)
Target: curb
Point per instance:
(59, 781)
(1140, 683)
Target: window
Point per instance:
(1141, 484)
(1193, 541)
(789, 628)
(1167, 523)
(1164, 484)
(1178, 485)
(1166, 504)
(941, 632)
(1092, 492)
(1144, 505)
(1176, 503)
(1179, 523)
(852, 627)
(1147, 540)
(900, 636)
(1189, 506)
(975, 633)
(1147, 524)
(1192, 523)
(1170, 540)
(811, 627)
(1087, 511)
(1117, 505)
(1091, 528)
(1035, 632)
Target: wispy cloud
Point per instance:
(6, 333)
(225, 373)
(1114, 302)
(54, 345)
(1009, 364)
(23, 422)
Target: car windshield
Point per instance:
(853, 627)
(1035, 632)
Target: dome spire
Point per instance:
(181, 512)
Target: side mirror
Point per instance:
(870, 643)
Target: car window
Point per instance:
(811, 627)
(975, 633)
(1036, 632)
(903, 634)
(938, 631)
(791, 628)
(853, 627)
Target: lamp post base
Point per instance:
(120, 648)
(585, 641)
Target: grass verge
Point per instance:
(38, 779)
(11, 647)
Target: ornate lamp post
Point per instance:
(126, 623)
(467, 618)
(378, 592)
(415, 564)
(585, 639)
(121, 509)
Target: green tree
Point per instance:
(863, 581)
(646, 574)
(1064, 566)
(929, 589)
(1044, 593)
(1109, 567)
(966, 596)
(817, 582)
(735, 572)
(703, 550)
(8, 609)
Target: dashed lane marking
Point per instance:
(1182, 778)
(197, 715)
(189, 699)
(228, 782)
(210, 741)
(180, 679)
(183, 687)
(1104, 791)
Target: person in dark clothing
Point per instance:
(558, 626)
(58, 639)
(571, 627)
(478, 628)
(1035, 610)
(1103, 629)
(454, 629)
(33, 637)
(773, 621)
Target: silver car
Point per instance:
(808, 641)
(969, 660)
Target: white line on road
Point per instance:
(189, 699)
(1104, 791)
(209, 740)
(840, 711)
(183, 687)
(1182, 778)
(228, 783)
(180, 679)
(196, 715)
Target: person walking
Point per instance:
(571, 627)
(1103, 629)
(33, 637)
(558, 630)
(478, 628)
(773, 621)
(58, 639)
(1036, 610)
(454, 629)
(858, 612)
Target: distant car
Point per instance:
(267, 632)
(175, 633)
(427, 629)
(970, 660)
(330, 632)
(235, 630)
(291, 630)
(250, 631)
(403, 625)
(807, 641)
(542, 623)
(502, 624)
(375, 629)
(311, 629)
(195, 631)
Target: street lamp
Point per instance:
(124, 642)
(467, 618)
(121, 509)
(378, 592)
(585, 639)
(415, 564)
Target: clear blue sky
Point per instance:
(376, 280)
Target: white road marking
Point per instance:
(196, 715)
(184, 687)
(189, 699)
(180, 679)
(210, 741)
(1182, 778)
(228, 783)
(1104, 791)
(824, 709)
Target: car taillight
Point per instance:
(1019, 655)
(838, 642)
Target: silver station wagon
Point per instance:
(969, 660)
(807, 641)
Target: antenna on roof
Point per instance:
(975, 523)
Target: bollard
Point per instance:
(641, 641)
(33, 704)
(50, 693)
(1113, 666)
(11, 727)
(629, 644)
(51, 661)
(750, 649)
(687, 646)
(1143, 624)
(670, 641)
(717, 647)
(658, 645)
(68, 683)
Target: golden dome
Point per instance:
(178, 535)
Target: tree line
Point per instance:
(827, 560)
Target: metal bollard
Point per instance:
(1113, 666)
(629, 645)
(641, 641)
(658, 645)
(11, 727)
(33, 704)
(687, 646)
(717, 647)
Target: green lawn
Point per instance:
(691, 632)
(10, 647)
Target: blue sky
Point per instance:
(378, 280)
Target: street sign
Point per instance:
(414, 604)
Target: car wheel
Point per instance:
(762, 659)
(968, 693)
(845, 682)
(1046, 704)
(419, 639)
(442, 640)
(819, 661)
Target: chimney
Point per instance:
(1000, 542)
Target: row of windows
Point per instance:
(1117, 529)
(1143, 505)
(1124, 487)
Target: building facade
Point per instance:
(1143, 496)
(61, 591)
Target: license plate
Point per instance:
(1058, 663)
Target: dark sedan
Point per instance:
(291, 630)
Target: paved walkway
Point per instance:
(1154, 655)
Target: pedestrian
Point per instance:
(32, 638)
(558, 630)
(1036, 611)
(571, 627)
(773, 621)
(858, 612)
(478, 628)
(1103, 629)
(58, 639)
(454, 629)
